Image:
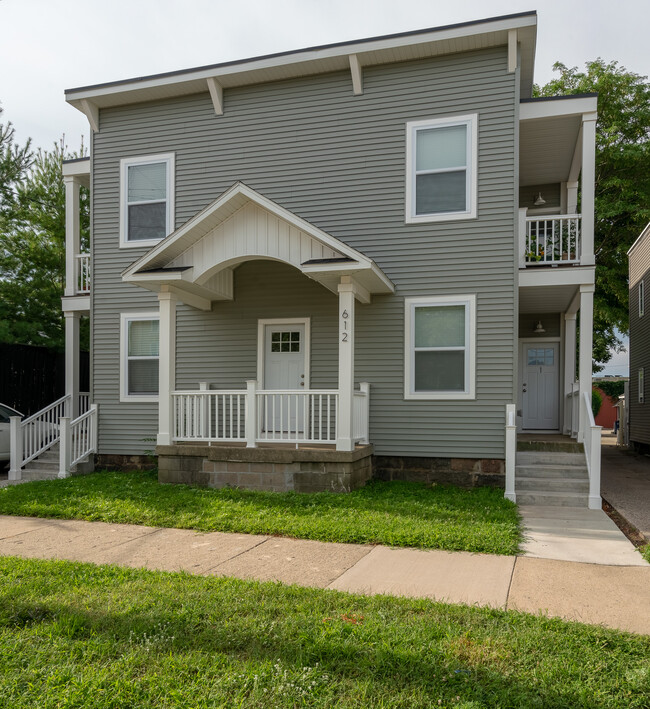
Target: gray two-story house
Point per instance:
(311, 265)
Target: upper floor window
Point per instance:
(440, 351)
(147, 199)
(641, 298)
(441, 169)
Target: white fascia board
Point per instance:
(554, 108)
(575, 276)
(75, 96)
(76, 168)
(639, 239)
(75, 303)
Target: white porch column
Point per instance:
(587, 195)
(344, 438)
(167, 366)
(72, 233)
(586, 347)
(569, 366)
(72, 320)
(571, 197)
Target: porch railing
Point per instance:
(32, 436)
(78, 440)
(551, 241)
(572, 410)
(263, 416)
(82, 276)
(592, 452)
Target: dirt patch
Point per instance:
(629, 530)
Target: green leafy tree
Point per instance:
(14, 163)
(622, 184)
(32, 263)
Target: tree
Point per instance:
(14, 163)
(622, 184)
(32, 267)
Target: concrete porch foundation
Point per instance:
(277, 469)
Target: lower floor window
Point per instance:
(140, 356)
(440, 333)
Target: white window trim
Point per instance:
(469, 301)
(261, 334)
(125, 318)
(641, 385)
(641, 298)
(125, 163)
(471, 120)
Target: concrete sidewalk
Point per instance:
(614, 596)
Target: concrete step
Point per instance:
(551, 446)
(537, 458)
(40, 474)
(555, 499)
(40, 464)
(539, 484)
(565, 472)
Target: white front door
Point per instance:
(540, 386)
(284, 369)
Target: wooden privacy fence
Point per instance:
(32, 377)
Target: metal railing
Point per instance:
(551, 241)
(82, 276)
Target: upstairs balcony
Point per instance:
(82, 274)
(550, 240)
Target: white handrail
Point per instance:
(361, 411)
(78, 440)
(592, 442)
(511, 451)
(290, 415)
(553, 240)
(209, 415)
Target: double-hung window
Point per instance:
(441, 169)
(147, 199)
(139, 357)
(440, 347)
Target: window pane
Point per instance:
(147, 182)
(143, 376)
(439, 148)
(440, 326)
(440, 192)
(147, 221)
(439, 371)
(143, 338)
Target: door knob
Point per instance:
(302, 384)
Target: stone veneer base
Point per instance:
(272, 469)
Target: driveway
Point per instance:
(625, 484)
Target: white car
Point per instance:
(5, 413)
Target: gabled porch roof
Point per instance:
(196, 261)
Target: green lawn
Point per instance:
(395, 514)
(77, 635)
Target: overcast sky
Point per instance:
(47, 46)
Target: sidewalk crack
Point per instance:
(230, 558)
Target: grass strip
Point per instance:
(78, 635)
(395, 514)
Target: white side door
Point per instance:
(540, 386)
(284, 369)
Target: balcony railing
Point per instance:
(261, 416)
(82, 276)
(552, 241)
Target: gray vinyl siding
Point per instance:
(639, 344)
(338, 161)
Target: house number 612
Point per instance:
(344, 335)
